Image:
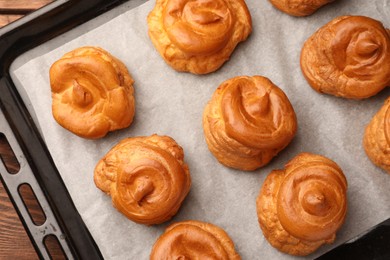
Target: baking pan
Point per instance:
(37, 166)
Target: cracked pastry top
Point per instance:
(248, 121)
(92, 92)
(377, 138)
(348, 57)
(146, 178)
(299, 7)
(198, 36)
(302, 206)
(194, 240)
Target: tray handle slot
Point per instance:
(53, 247)
(32, 204)
(7, 156)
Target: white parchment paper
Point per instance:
(172, 103)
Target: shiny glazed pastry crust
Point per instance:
(301, 207)
(299, 7)
(194, 240)
(198, 36)
(377, 138)
(92, 92)
(247, 122)
(348, 57)
(146, 178)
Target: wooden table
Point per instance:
(11, 10)
(14, 241)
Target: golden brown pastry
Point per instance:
(348, 57)
(194, 240)
(377, 138)
(146, 178)
(92, 92)
(301, 207)
(198, 36)
(299, 7)
(247, 122)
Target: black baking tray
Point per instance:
(47, 24)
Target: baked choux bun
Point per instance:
(146, 178)
(92, 92)
(301, 207)
(348, 57)
(194, 240)
(299, 7)
(198, 36)
(377, 138)
(247, 122)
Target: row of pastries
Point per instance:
(246, 123)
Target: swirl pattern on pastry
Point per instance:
(301, 207)
(348, 57)
(92, 92)
(146, 178)
(247, 122)
(299, 7)
(377, 138)
(194, 240)
(198, 36)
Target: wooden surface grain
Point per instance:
(14, 241)
(6, 19)
(21, 6)
(11, 10)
